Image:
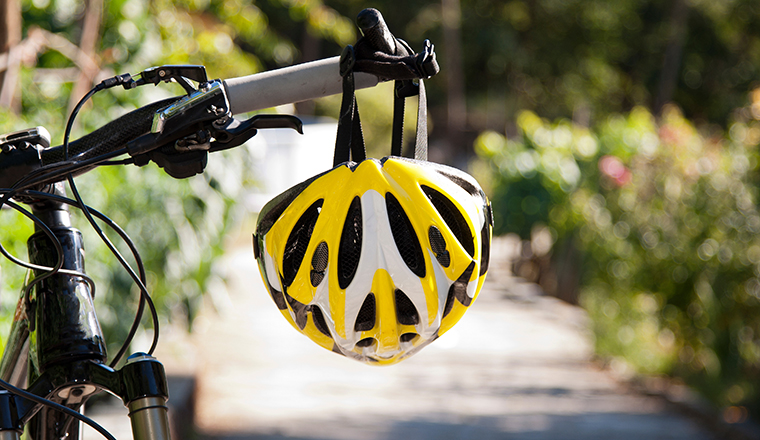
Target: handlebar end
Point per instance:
(373, 27)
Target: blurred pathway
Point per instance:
(515, 367)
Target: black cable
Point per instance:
(111, 224)
(58, 407)
(127, 161)
(63, 169)
(66, 168)
(26, 265)
(145, 295)
(48, 271)
(135, 254)
(59, 170)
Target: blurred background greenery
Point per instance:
(617, 139)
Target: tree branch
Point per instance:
(87, 46)
(671, 63)
(10, 37)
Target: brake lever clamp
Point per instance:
(180, 73)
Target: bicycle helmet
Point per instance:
(374, 259)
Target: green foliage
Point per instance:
(667, 222)
(592, 58)
(178, 226)
(536, 171)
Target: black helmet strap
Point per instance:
(403, 90)
(405, 70)
(349, 143)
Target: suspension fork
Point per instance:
(141, 384)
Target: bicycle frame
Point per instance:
(57, 348)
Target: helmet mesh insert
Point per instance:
(298, 241)
(453, 218)
(350, 247)
(319, 264)
(438, 244)
(403, 234)
(365, 320)
(405, 310)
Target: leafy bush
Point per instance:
(666, 220)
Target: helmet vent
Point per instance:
(453, 218)
(365, 320)
(350, 244)
(458, 290)
(485, 240)
(405, 310)
(298, 241)
(406, 239)
(438, 244)
(366, 342)
(319, 320)
(408, 337)
(319, 264)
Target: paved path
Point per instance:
(516, 367)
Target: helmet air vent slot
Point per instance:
(406, 239)
(350, 247)
(319, 320)
(319, 264)
(366, 342)
(485, 240)
(458, 290)
(408, 337)
(438, 244)
(453, 218)
(365, 320)
(298, 241)
(405, 310)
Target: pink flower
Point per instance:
(614, 169)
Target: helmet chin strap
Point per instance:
(408, 72)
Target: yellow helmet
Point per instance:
(376, 259)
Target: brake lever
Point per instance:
(234, 133)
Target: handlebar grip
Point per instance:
(374, 29)
(297, 83)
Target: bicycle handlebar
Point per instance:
(297, 83)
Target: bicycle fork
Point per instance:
(141, 384)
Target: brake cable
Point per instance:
(144, 294)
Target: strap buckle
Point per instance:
(347, 60)
(427, 64)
